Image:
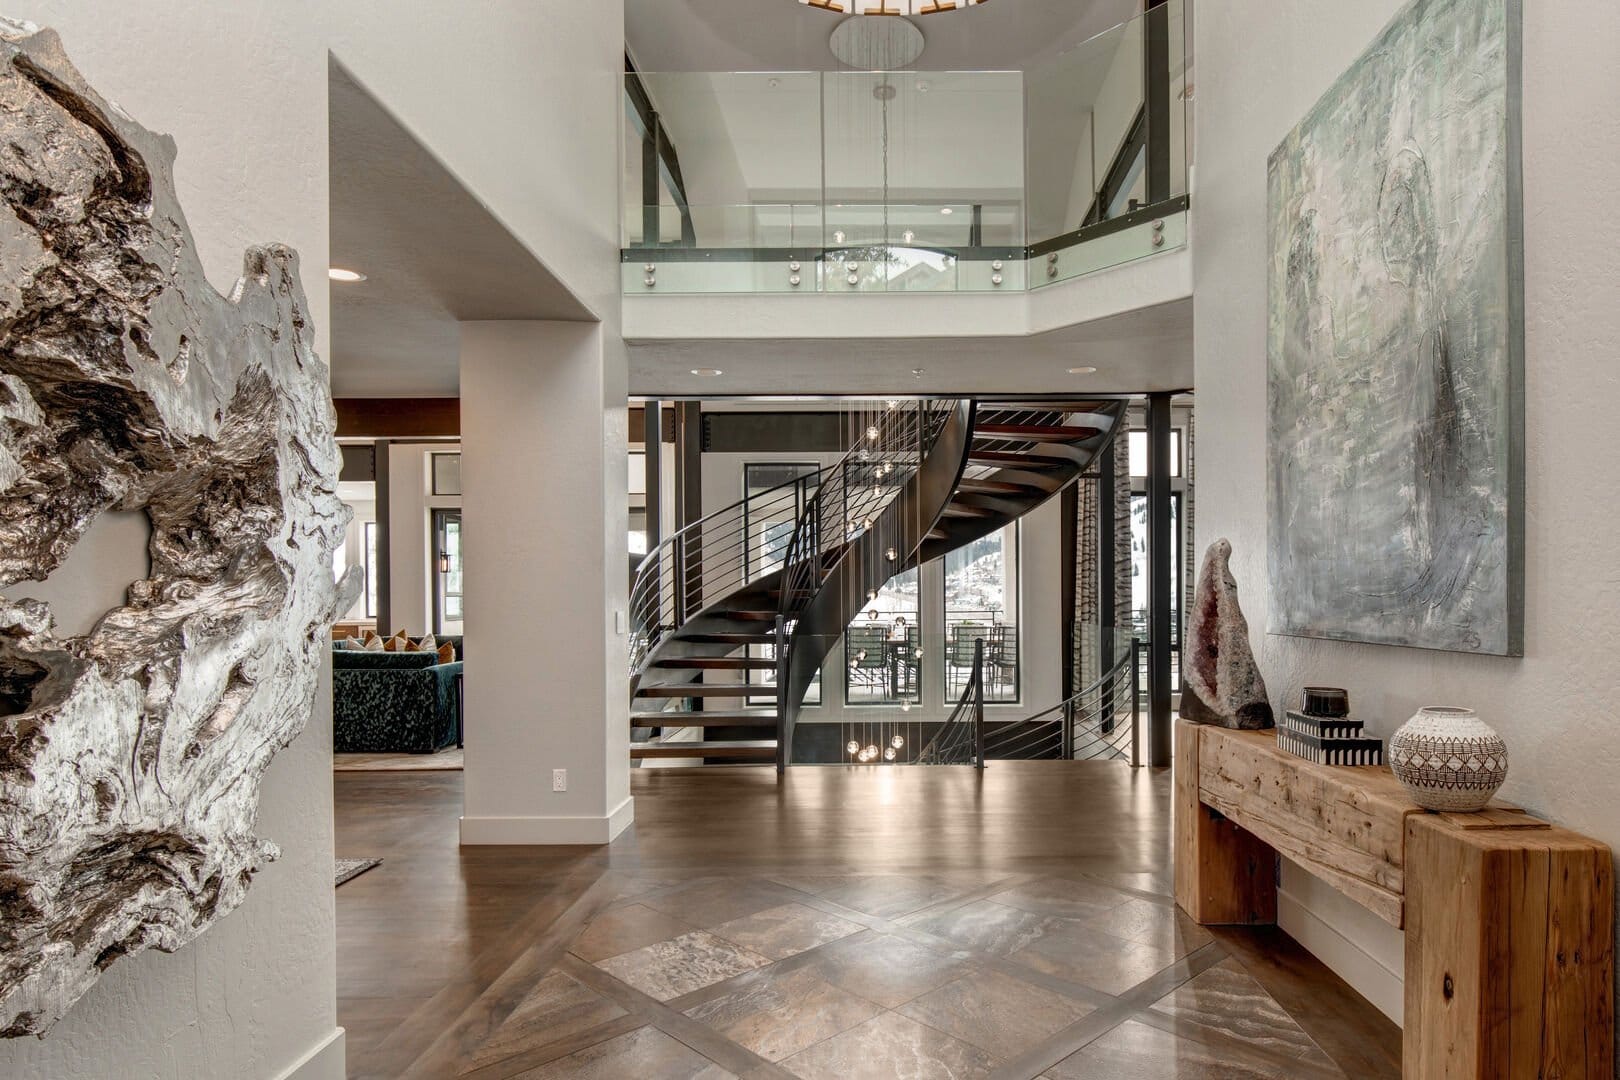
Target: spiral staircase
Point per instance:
(733, 595)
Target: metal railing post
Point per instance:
(978, 702)
(1136, 701)
(1067, 750)
(783, 736)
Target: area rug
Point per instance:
(349, 869)
(443, 761)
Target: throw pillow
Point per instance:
(396, 643)
(428, 644)
(447, 653)
(374, 644)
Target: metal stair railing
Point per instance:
(1083, 727)
(960, 739)
(708, 560)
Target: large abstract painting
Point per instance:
(131, 755)
(1395, 342)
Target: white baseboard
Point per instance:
(324, 1062)
(1366, 975)
(548, 831)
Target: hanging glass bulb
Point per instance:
(905, 706)
(853, 747)
(872, 433)
(892, 404)
(859, 656)
(891, 554)
(871, 752)
(898, 741)
(888, 755)
(918, 653)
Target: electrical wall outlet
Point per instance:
(559, 779)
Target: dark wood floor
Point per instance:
(449, 958)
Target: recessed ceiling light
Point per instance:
(1082, 371)
(707, 372)
(946, 210)
(337, 273)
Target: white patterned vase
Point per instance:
(1448, 759)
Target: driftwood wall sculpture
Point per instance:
(130, 758)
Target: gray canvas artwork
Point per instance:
(1395, 343)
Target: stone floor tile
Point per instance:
(891, 1047)
(776, 1013)
(681, 965)
(999, 1014)
(645, 1052)
(785, 931)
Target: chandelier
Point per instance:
(891, 7)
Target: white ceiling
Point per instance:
(784, 35)
(1146, 349)
(433, 255)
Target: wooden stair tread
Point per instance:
(1034, 432)
(717, 663)
(728, 637)
(961, 510)
(702, 719)
(704, 690)
(994, 487)
(1008, 457)
(748, 615)
(738, 751)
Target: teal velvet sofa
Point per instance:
(395, 702)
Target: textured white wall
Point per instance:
(544, 478)
(1261, 65)
(522, 102)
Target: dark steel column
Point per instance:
(1160, 585)
(1069, 545)
(1156, 98)
(1107, 568)
(652, 435)
(651, 227)
(688, 504)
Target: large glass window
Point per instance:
(883, 655)
(981, 604)
(370, 555)
(1140, 576)
(772, 510)
(447, 606)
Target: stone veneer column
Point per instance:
(544, 481)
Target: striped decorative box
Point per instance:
(1327, 751)
(1322, 727)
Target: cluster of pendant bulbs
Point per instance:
(871, 752)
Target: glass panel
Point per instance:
(981, 603)
(1088, 132)
(883, 655)
(446, 474)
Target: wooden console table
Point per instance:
(1509, 920)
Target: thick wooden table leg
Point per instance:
(1224, 874)
(1509, 953)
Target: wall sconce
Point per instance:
(444, 562)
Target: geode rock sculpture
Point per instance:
(131, 756)
(1221, 683)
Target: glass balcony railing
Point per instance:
(879, 182)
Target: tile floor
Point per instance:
(896, 976)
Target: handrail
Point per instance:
(951, 734)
